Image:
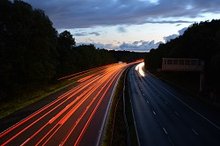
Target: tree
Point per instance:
(65, 46)
(27, 46)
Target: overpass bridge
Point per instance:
(182, 64)
(185, 64)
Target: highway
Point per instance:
(165, 116)
(76, 117)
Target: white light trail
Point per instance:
(139, 69)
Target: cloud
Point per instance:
(168, 22)
(136, 46)
(99, 45)
(173, 36)
(80, 34)
(170, 37)
(87, 13)
(105, 46)
(139, 46)
(86, 34)
(181, 31)
(121, 29)
(94, 33)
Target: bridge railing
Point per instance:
(182, 64)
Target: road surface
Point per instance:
(164, 117)
(75, 118)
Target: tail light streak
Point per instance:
(88, 96)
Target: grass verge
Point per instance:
(116, 130)
(32, 95)
(115, 124)
(10, 106)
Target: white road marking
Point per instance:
(213, 124)
(194, 131)
(177, 114)
(165, 131)
(154, 113)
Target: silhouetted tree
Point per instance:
(27, 46)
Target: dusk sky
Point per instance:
(136, 25)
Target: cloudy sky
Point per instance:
(136, 25)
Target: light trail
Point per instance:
(76, 91)
(77, 105)
(71, 92)
(80, 136)
(53, 119)
(140, 69)
(90, 118)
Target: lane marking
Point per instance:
(133, 116)
(195, 132)
(147, 101)
(213, 124)
(154, 113)
(165, 131)
(176, 113)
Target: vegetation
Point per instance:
(115, 131)
(33, 54)
(120, 131)
(202, 41)
(10, 106)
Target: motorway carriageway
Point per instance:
(164, 116)
(76, 117)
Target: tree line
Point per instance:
(33, 53)
(202, 41)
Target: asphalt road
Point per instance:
(166, 117)
(75, 118)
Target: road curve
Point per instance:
(74, 118)
(164, 117)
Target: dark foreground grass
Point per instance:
(31, 96)
(115, 124)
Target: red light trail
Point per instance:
(67, 120)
